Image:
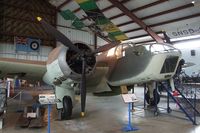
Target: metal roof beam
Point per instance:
(166, 22)
(160, 13)
(140, 8)
(137, 20)
(144, 35)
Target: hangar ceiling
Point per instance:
(138, 19)
(17, 18)
(157, 15)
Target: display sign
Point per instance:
(31, 115)
(129, 98)
(48, 99)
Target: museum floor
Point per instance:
(107, 115)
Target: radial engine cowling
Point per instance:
(64, 63)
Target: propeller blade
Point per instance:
(83, 87)
(58, 35)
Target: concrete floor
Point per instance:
(107, 115)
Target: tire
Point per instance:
(67, 108)
(151, 101)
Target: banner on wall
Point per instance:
(185, 30)
(27, 44)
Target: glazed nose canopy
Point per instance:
(74, 59)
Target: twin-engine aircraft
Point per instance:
(76, 63)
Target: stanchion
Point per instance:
(129, 127)
(49, 114)
(129, 98)
(145, 89)
(48, 99)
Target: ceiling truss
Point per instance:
(139, 21)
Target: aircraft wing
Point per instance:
(33, 70)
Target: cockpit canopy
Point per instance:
(120, 51)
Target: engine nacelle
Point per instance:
(63, 63)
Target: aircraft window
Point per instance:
(111, 52)
(118, 52)
(139, 50)
(127, 45)
(159, 48)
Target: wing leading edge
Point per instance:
(30, 70)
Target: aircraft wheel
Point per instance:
(152, 101)
(67, 108)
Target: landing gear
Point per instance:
(169, 110)
(66, 112)
(154, 100)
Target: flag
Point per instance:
(21, 43)
(27, 44)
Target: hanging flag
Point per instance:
(69, 15)
(92, 10)
(21, 43)
(27, 44)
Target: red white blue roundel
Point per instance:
(34, 45)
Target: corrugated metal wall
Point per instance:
(74, 34)
(101, 42)
(8, 51)
(77, 35)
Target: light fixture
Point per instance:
(193, 2)
(39, 18)
(196, 3)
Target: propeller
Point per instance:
(83, 55)
(83, 88)
(58, 35)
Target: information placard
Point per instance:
(48, 99)
(129, 98)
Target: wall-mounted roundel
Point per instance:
(34, 45)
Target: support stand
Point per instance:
(145, 89)
(129, 98)
(20, 109)
(133, 91)
(48, 99)
(168, 107)
(49, 114)
(129, 127)
(156, 100)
